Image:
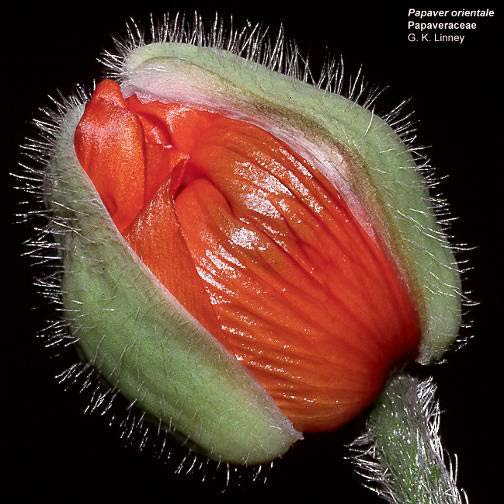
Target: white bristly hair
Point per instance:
(400, 454)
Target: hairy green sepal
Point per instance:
(142, 340)
(383, 176)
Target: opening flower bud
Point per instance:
(251, 256)
(258, 245)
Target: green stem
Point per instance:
(400, 454)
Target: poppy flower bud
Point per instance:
(247, 256)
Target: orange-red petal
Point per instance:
(109, 142)
(258, 245)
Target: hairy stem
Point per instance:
(400, 455)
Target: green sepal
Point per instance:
(141, 340)
(383, 177)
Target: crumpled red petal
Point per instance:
(258, 246)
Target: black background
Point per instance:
(57, 453)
